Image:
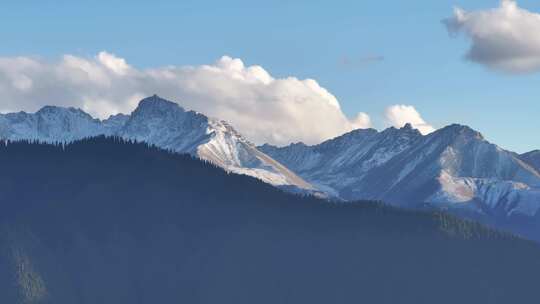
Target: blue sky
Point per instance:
(369, 54)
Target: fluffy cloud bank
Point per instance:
(399, 115)
(263, 108)
(504, 38)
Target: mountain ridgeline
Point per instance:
(454, 168)
(158, 122)
(103, 220)
(532, 158)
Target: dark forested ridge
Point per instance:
(104, 221)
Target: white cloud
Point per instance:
(115, 64)
(504, 38)
(361, 121)
(399, 115)
(263, 108)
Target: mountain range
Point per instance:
(454, 168)
(161, 123)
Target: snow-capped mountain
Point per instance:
(167, 125)
(451, 167)
(159, 122)
(339, 163)
(51, 124)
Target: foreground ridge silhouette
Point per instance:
(104, 220)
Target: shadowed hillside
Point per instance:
(105, 221)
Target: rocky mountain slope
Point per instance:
(454, 167)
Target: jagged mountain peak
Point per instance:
(50, 124)
(458, 130)
(159, 122)
(407, 126)
(296, 144)
(161, 112)
(355, 134)
(167, 125)
(57, 110)
(407, 131)
(162, 108)
(452, 165)
(156, 102)
(117, 117)
(348, 139)
(353, 137)
(114, 123)
(359, 135)
(157, 106)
